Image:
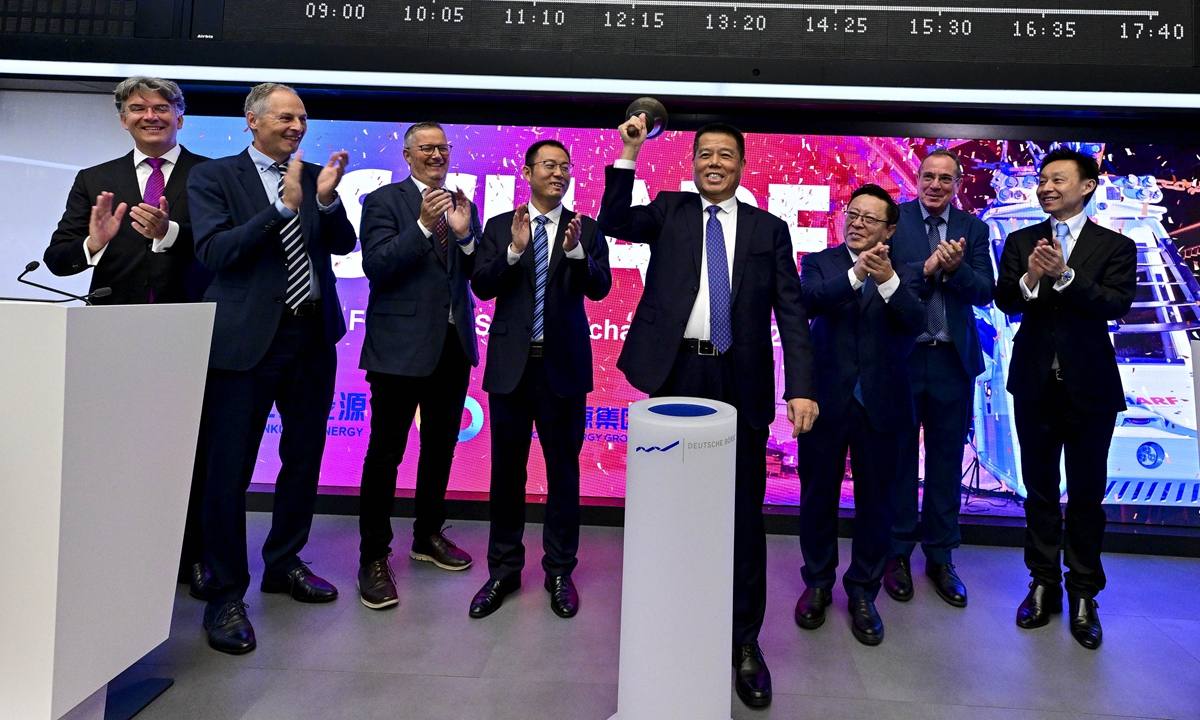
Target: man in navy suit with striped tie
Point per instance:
(267, 223)
(539, 370)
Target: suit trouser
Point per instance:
(942, 395)
(1047, 427)
(297, 376)
(394, 402)
(193, 526)
(712, 378)
(560, 426)
(822, 465)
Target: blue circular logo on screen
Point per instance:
(472, 406)
(1151, 455)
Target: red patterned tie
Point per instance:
(156, 184)
(154, 191)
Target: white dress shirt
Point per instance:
(143, 171)
(886, 289)
(551, 226)
(1074, 226)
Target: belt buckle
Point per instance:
(535, 350)
(700, 348)
(1058, 374)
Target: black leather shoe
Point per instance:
(897, 579)
(491, 596)
(1037, 607)
(377, 585)
(301, 584)
(564, 598)
(947, 583)
(753, 681)
(438, 550)
(810, 608)
(865, 622)
(1085, 623)
(228, 628)
(198, 581)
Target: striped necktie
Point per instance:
(157, 182)
(299, 284)
(541, 264)
(720, 329)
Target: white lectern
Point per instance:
(679, 496)
(99, 412)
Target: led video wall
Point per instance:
(1147, 192)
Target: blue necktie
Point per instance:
(541, 264)
(299, 284)
(720, 330)
(935, 308)
(1063, 233)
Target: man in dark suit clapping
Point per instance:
(718, 268)
(267, 223)
(539, 262)
(418, 246)
(1068, 278)
(866, 311)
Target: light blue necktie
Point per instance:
(1063, 232)
(541, 264)
(720, 330)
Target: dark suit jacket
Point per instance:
(859, 335)
(971, 284)
(414, 285)
(128, 266)
(566, 332)
(764, 279)
(1073, 323)
(237, 237)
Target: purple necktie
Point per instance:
(156, 184)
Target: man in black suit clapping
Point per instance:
(539, 262)
(1068, 278)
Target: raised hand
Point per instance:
(571, 241)
(520, 229)
(330, 176)
(437, 201)
(152, 222)
(950, 253)
(878, 263)
(633, 134)
(104, 222)
(293, 194)
(459, 215)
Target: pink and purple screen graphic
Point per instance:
(806, 180)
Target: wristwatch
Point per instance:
(1067, 276)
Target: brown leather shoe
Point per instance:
(438, 550)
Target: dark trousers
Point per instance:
(942, 395)
(193, 527)
(297, 376)
(394, 402)
(560, 425)
(822, 465)
(707, 377)
(1048, 426)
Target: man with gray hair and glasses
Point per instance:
(418, 251)
(127, 221)
(267, 223)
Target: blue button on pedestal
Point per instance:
(683, 410)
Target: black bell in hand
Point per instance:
(652, 112)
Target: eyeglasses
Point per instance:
(941, 179)
(155, 109)
(853, 217)
(551, 166)
(427, 150)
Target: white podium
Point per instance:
(99, 412)
(679, 497)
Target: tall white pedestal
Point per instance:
(679, 498)
(99, 412)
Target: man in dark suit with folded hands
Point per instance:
(539, 262)
(127, 220)
(951, 251)
(718, 268)
(1068, 278)
(866, 311)
(267, 224)
(418, 246)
